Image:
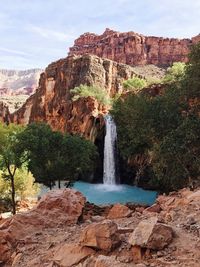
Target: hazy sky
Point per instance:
(37, 32)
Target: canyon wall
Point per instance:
(17, 82)
(52, 102)
(4, 113)
(134, 49)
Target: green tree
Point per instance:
(53, 156)
(11, 157)
(134, 84)
(165, 128)
(191, 86)
(175, 73)
(94, 91)
(25, 185)
(176, 159)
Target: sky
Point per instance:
(36, 32)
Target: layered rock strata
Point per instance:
(52, 102)
(134, 49)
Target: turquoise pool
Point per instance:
(100, 194)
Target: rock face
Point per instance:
(56, 208)
(17, 86)
(132, 48)
(52, 103)
(151, 234)
(4, 113)
(13, 82)
(101, 236)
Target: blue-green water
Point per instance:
(100, 194)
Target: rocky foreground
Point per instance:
(64, 230)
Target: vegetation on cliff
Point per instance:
(134, 84)
(84, 91)
(163, 130)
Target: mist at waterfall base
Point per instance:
(101, 194)
(110, 191)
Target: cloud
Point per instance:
(49, 33)
(37, 32)
(13, 51)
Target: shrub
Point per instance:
(84, 91)
(175, 73)
(134, 84)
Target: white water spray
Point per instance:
(109, 171)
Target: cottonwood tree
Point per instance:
(11, 157)
(53, 156)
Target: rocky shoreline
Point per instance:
(64, 230)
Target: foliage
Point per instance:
(134, 84)
(53, 156)
(24, 185)
(192, 79)
(177, 157)
(175, 73)
(153, 80)
(165, 129)
(11, 157)
(94, 91)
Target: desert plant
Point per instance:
(134, 84)
(94, 91)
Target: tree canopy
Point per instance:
(11, 157)
(164, 129)
(53, 156)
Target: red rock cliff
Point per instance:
(4, 113)
(52, 101)
(132, 48)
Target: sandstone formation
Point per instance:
(56, 208)
(69, 255)
(132, 48)
(151, 234)
(16, 86)
(119, 211)
(24, 244)
(52, 102)
(4, 113)
(14, 82)
(101, 236)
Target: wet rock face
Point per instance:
(52, 102)
(132, 48)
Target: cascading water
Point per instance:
(109, 170)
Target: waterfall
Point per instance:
(109, 164)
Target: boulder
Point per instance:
(119, 211)
(61, 206)
(101, 236)
(71, 254)
(56, 208)
(151, 234)
(154, 208)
